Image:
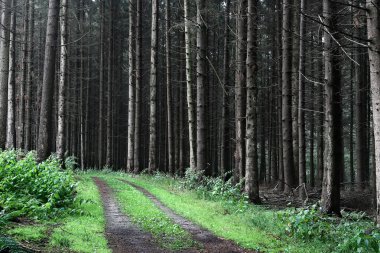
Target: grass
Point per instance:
(254, 228)
(78, 232)
(150, 218)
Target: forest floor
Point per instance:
(125, 213)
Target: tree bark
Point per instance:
(374, 63)
(153, 90)
(169, 106)
(101, 84)
(60, 146)
(109, 88)
(190, 92)
(252, 169)
(11, 131)
(131, 105)
(201, 87)
(44, 133)
(330, 199)
(224, 132)
(240, 86)
(4, 69)
(301, 106)
(25, 52)
(29, 78)
(136, 146)
(288, 160)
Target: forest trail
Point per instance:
(123, 236)
(210, 243)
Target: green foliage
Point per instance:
(9, 245)
(352, 233)
(216, 188)
(71, 163)
(29, 188)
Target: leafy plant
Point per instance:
(352, 233)
(29, 188)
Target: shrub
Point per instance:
(352, 233)
(216, 188)
(29, 188)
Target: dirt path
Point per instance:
(210, 242)
(122, 235)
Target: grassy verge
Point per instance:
(143, 212)
(81, 231)
(253, 228)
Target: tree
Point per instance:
(101, 83)
(11, 131)
(189, 88)
(240, 86)
(169, 89)
(29, 77)
(153, 89)
(374, 65)
(131, 68)
(137, 144)
(330, 199)
(224, 132)
(25, 52)
(60, 146)
(287, 98)
(4, 69)
(109, 88)
(301, 106)
(44, 133)
(252, 170)
(201, 87)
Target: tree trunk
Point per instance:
(288, 161)
(101, 84)
(240, 85)
(11, 131)
(136, 146)
(201, 87)
(131, 105)
(169, 107)
(224, 132)
(301, 106)
(333, 157)
(60, 146)
(190, 93)
(153, 90)
(44, 133)
(374, 64)
(295, 11)
(4, 69)
(252, 169)
(109, 88)
(361, 141)
(25, 52)
(29, 78)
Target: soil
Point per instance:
(210, 243)
(123, 236)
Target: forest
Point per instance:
(189, 126)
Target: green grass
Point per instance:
(81, 231)
(143, 212)
(34, 234)
(254, 228)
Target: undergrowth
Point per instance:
(354, 232)
(32, 189)
(307, 226)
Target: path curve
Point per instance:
(122, 235)
(210, 242)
